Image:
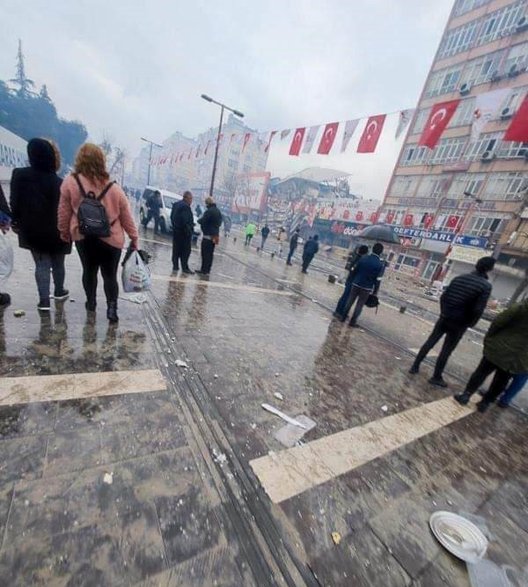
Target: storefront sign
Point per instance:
(443, 237)
(465, 254)
(346, 228)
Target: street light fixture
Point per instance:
(222, 108)
(152, 143)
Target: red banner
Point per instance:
(518, 129)
(295, 147)
(439, 118)
(328, 138)
(371, 134)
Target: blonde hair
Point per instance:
(91, 162)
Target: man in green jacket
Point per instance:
(505, 354)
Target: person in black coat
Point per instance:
(5, 223)
(461, 306)
(35, 193)
(182, 220)
(264, 234)
(154, 206)
(210, 223)
(310, 250)
(294, 241)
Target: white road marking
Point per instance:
(240, 287)
(290, 472)
(40, 388)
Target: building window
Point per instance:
(506, 186)
(443, 81)
(404, 185)
(466, 182)
(448, 150)
(463, 6)
(486, 142)
(421, 119)
(481, 70)
(464, 113)
(413, 155)
(515, 98)
(459, 39)
(433, 186)
(501, 22)
(486, 225)
(517, 57)
(512, 150)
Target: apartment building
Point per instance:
(464, 198)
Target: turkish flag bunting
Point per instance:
(439, 118)
(374, 217)
(181, 156)
(295, 147)
(272, 134)
(408, 220)
(190, 153)
(207, 147)
(371, 134)
(390, 217)
(359, 215)
(427, 220)
(518, 129)
(328, 138)
(197, 152)
(452, 221)
(246, 140)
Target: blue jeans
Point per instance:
(342, 307)
(516, 384)
(46, 264)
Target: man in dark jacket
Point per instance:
(210, 223)
(366, 281)
(343, 305)
(505, 355)
(5, 223)
(35, 194)
(264, 233)
(154, 205)
(293, 245)
(461, 306)
(311, 248)
(182, 231)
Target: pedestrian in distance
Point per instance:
(366, 281)
(310, 249)
(505, 355)
(251, 230)
(344, 303)
(227, 225)
(210, 223)
(182, 220)
(264, 233)
(35, 194)
(95, 213)
(154, 206)
(5, 225)
(294, 241)
(461, 307)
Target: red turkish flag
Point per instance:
(408, 220)
(374, 217)
(439, 118)
(370, 137)
(328, 138)
(359, 215)
(427, 220)
(346, 214)
(452, 221)
(518, 129)
(390, 217)
(247, 136)
(295, 147)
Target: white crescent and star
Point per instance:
(374, 125)
(441, 114)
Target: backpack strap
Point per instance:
(105, 191)
(81, 188)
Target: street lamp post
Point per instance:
(222, 108)
(151, 143)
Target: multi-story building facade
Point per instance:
(484, 47)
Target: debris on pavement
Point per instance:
(279, 395)
(19, 313)
(459, 536)
(284, 416)
(336, 537)
(219, 457)
(108, 478)
(180, 363)
(384, 408)
(290, 435)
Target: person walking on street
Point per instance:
(505, 354)
(154, 206)
(227, 225)
(5, 225)
(35, 194)
(264, 233)
(251, 230)
(182, 232)
(343, 306)
(366, 281)
(294, 241)
(95, 213)
(461, 306)
(210, 223)
(311, 248)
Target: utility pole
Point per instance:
(152, 143)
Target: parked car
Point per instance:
(168, 199)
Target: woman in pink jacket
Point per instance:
(99, 247)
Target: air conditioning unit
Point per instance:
(465, 89)
(514, 71)
(495, 76)
(487, 156)
(506, 113)
(522, 25)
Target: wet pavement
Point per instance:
(120, 467)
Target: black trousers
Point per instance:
(181, 251)
(208, 248)
(306, 260)
(153, 214)
(361, 295)
(290, 255)
(498, 385)
(453, 333)
(96, 254)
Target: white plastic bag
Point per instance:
(6, 257)
(136, 275)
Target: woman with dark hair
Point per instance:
(35, 192)
(95, 213)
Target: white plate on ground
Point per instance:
(458, 535)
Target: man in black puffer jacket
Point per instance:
(210, 223)
(461, 306)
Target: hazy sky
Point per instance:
(130, 69)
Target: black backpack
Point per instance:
(93, 220)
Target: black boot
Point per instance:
(111, 312)
(463, 398)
